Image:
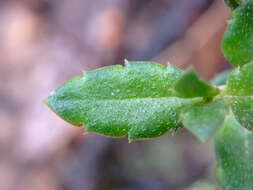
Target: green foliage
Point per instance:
(237, 43)
(190, 86)
(145, 100)
(234, 150)
(137, 100)
(203, 120)
(239, 94)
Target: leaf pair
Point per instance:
(234, 141)
(237, 46)
(203, 120)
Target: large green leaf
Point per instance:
(137, 99)
(239, 94)
(189, 86)
(204, 120)
(237, 43)
(234, 152)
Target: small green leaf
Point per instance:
(234, 152)
(240, 81)
(204, 120)
(239, 94)
(114, 101)
(190, 86)
(237, 44)
(243, 109)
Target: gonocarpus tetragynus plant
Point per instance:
(146, 100)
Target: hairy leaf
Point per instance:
(190, 86)
(204, 120)
(234, 152)
(239, 94)
(240, 81)
(114, 101)
(237, 43)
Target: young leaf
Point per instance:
(237, 44)
(239, 94)
(190, 86)
(240, 81)
(204, 120)
(234, 152)
(114, 101)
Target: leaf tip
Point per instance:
(46, 101)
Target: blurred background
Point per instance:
(44, 43)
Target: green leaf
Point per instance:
(137, 100)
(190, 86)
(240, 81)
(204, 120)
(233, 4)
(237, 44)
(234, 152)
(243, 109)
(239, 94)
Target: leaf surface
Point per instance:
(189, 86)
(237, 44)
(234, 152)
(137, 100)
(239, 94)
(204, 120)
